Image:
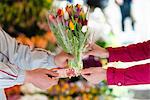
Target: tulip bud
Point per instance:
(84, 29)
(66, 15)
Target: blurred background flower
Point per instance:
(23, 16)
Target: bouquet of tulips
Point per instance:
(69, 26)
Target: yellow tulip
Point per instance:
(71, 25)
(82, 14)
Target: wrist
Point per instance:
(106, 53)
(27, 77)
(103, 53)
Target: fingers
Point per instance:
(55, 81)
(53, 73)
(51, 81)
(67, 56)
(91, 46)
(48, 85)
(55, 69)
(50, 73)
(86, 71)
(87, 77)
(70, 57)
(91, 79)
(86, 54)
(91, 50)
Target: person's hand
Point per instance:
(62, 58)
(41, 78)
(97, 51)
(94, 74)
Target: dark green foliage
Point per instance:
(23, 15)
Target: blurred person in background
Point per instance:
(20, 64)
(141, 10)
(98, 3)
(97, 23)
(125, 8)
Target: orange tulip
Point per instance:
(69, 9)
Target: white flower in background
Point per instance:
(66, 15)
(80, 84)
(34, 97)
(29, 89)
(84, 29)
(26, 97)
(39, 97)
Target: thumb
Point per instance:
(52, 73)
(86, 76)
(66, 55)
(69, 56)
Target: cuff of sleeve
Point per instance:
(21, 77)
(115, 76)
(111, 54)
(51, 62)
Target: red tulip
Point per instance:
(60, 12)
(85, 22)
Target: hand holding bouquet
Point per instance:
(69, 26)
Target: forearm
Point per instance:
(134, 52)
(28, 77)
(135, 75)
(22, 55)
